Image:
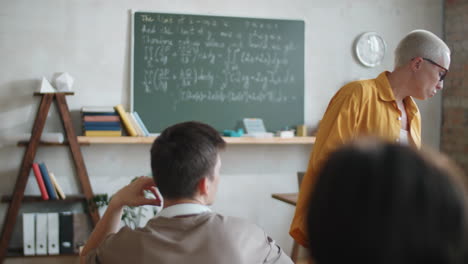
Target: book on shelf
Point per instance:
(126, 122)
(102, 124)
(140, 122)
(102, 128)
(101, 118)
(47, 182)
(138, 129)
(97, 109)
(83, 114)
(40, 181)
(102, 133)
(58, 188)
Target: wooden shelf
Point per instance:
(274, 140)
(290, 198)
(38, 198)
(25, 143)
(230, 140)
(18, 253)
(17, 197)
(65, 93)
(13, 255)
(82, 140)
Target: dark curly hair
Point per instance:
(378, 202)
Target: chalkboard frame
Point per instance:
(132, 70)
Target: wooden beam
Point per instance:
(25, 168)
(76, 152)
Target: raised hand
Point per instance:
(134, 193)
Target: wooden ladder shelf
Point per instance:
(28, 159)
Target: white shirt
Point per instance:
(183, 209)
(404, 137)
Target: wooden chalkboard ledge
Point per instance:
(230, 140)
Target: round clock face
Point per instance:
(370, 49)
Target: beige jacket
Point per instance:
(203, 238)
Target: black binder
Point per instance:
(66, 232)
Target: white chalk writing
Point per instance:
(205, 59)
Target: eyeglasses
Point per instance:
(442, 77)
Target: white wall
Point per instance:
(90, 39)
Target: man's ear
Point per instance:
(416, 64)
(203, 186)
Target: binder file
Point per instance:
(53, 233)
(29, 243)
(66, 232)
(41, 234)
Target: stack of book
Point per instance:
(48, 185)
(99, 121)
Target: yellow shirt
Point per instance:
(360, 108)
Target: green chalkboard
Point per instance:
(217, 70)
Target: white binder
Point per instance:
(29, 234)
(53, 233)
(41, 234)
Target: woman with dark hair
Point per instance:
(386, 203)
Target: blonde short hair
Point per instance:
(419, 43)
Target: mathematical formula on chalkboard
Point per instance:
(188, 65)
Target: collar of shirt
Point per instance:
(386, 93)
(183, 209)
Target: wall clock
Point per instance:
(370, 49)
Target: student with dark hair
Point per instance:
(387, 203)
(185, 163)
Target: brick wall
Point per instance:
(454, 134)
